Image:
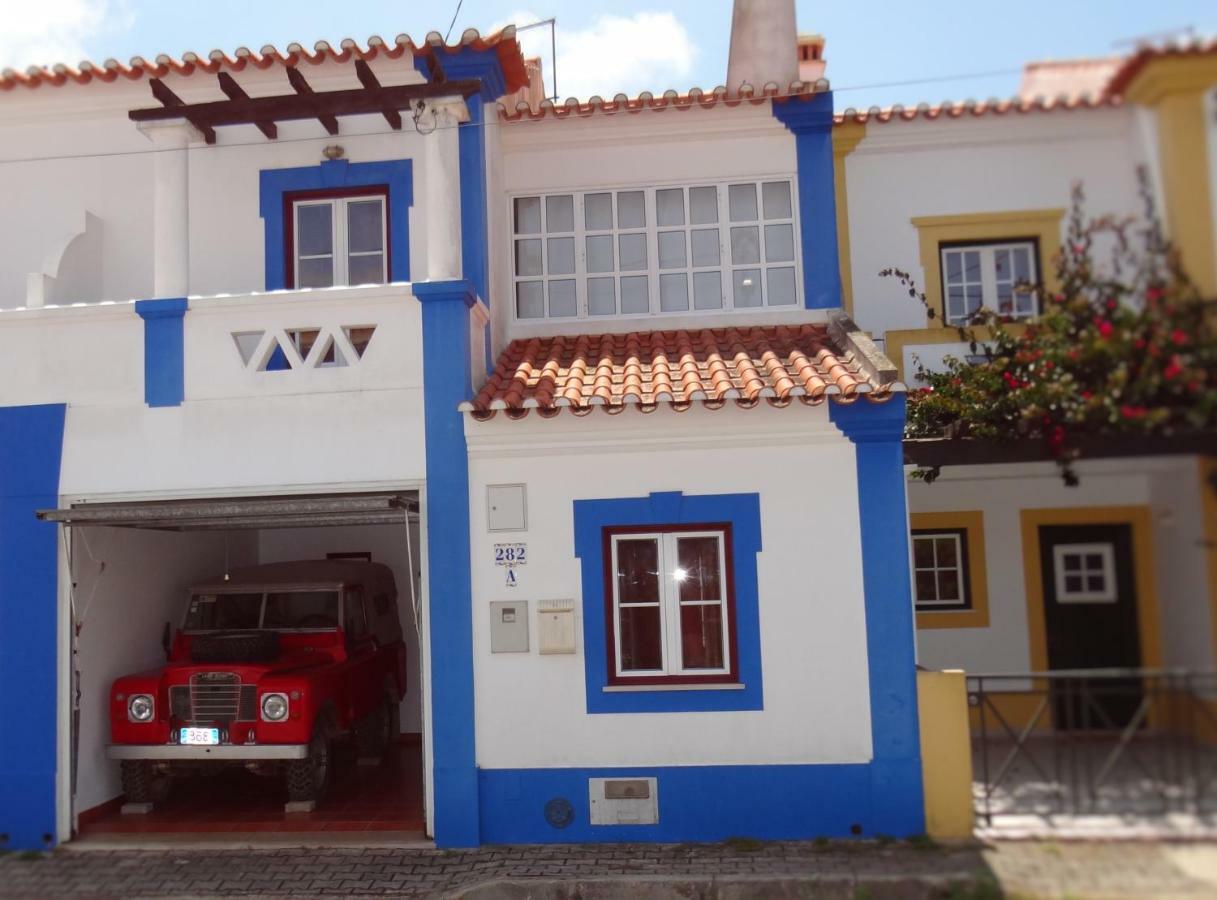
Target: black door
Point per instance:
(1090, 613)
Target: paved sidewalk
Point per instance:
(731, 871)
(736, 869)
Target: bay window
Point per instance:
(672, 609)
(648, 251)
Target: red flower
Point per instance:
(1173, 368)
(1153, 295)
(1139, 343)
(1179, 336)
(1133, 412)
(1105, 329)
(1086, 395)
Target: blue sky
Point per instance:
(874, 48)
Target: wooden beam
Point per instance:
(931, 452)
(292, 107)
(301, 86)
(234, 91)
(368, 79)
(172, 101)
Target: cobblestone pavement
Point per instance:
(734, 870)
(747, 869)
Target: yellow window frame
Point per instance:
(972, 523)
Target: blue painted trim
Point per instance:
(811, 122)
(446, 358)
(396, 174)
(164, 350)
(696, 803)
(876, 430)
(31, 445)
(743, 511)
(470, 63)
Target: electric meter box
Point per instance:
(506, 507)
(509, 626)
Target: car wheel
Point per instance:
(374, 734)
(308, 778)
(142, 783)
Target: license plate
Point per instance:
(200, 736)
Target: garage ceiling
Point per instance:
(237, 513)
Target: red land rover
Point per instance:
(272, 664)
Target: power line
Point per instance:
(459, 3)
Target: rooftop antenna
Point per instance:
(552, 22)
(1154, 37)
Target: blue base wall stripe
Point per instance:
(810, 121)
(336, 174)
(31, 445)
(696, 803)
(446, 357)
(164, 350)
(876, 430)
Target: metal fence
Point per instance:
(1124, 742)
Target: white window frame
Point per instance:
(651, 229)
(1107, 569)
(964, 602)
(340, 265)
(669, 604)
(988, 278)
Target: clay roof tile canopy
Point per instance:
(679, 368)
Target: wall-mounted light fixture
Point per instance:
(333, 151)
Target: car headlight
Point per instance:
(274, 707)
(140, 708)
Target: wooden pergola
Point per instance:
(304, 103)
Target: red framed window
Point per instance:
(337, 238)
(670, 605)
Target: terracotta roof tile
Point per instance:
(643, 369)
(670, 99)
(503, 42)
(1133, 64)
(949, 109)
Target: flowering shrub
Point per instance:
(1129, 348)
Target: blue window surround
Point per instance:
(810, 120)
(31, 446)
(336, 174)
(876, 430)
(446, 358)
(164, 350)
(742, 511)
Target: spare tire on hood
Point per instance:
(235, 646)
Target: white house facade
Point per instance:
(584, 382)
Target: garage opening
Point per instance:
(246, 666)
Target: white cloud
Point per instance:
(616, 54)
(54, 31)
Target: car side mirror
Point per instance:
(167, 639)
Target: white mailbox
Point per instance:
(556, 626)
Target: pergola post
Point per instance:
(171, 205)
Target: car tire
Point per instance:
(308, 778)
(142, 783)
(375, 733)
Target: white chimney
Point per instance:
(763, 44)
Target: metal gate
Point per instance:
(1048, 744)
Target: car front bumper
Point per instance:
(191, 753)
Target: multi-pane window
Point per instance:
(1085, 573)
(940, 575)
(339, 241)
(647, 251)
(995, 276)
(671, 607)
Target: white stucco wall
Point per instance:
(1169, 486)
(531, 709)
(902, 170)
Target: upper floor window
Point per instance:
(672, 606)
(992, 275)
(666, 250)
(338, 240)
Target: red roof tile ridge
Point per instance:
(955, 110)
(1195, 46)
(503, 42)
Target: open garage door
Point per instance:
(138, 565)
(243, 513)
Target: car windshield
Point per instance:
(243, 610)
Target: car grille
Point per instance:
(214, 697)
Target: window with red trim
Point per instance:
(337, 238)
(670, 605)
